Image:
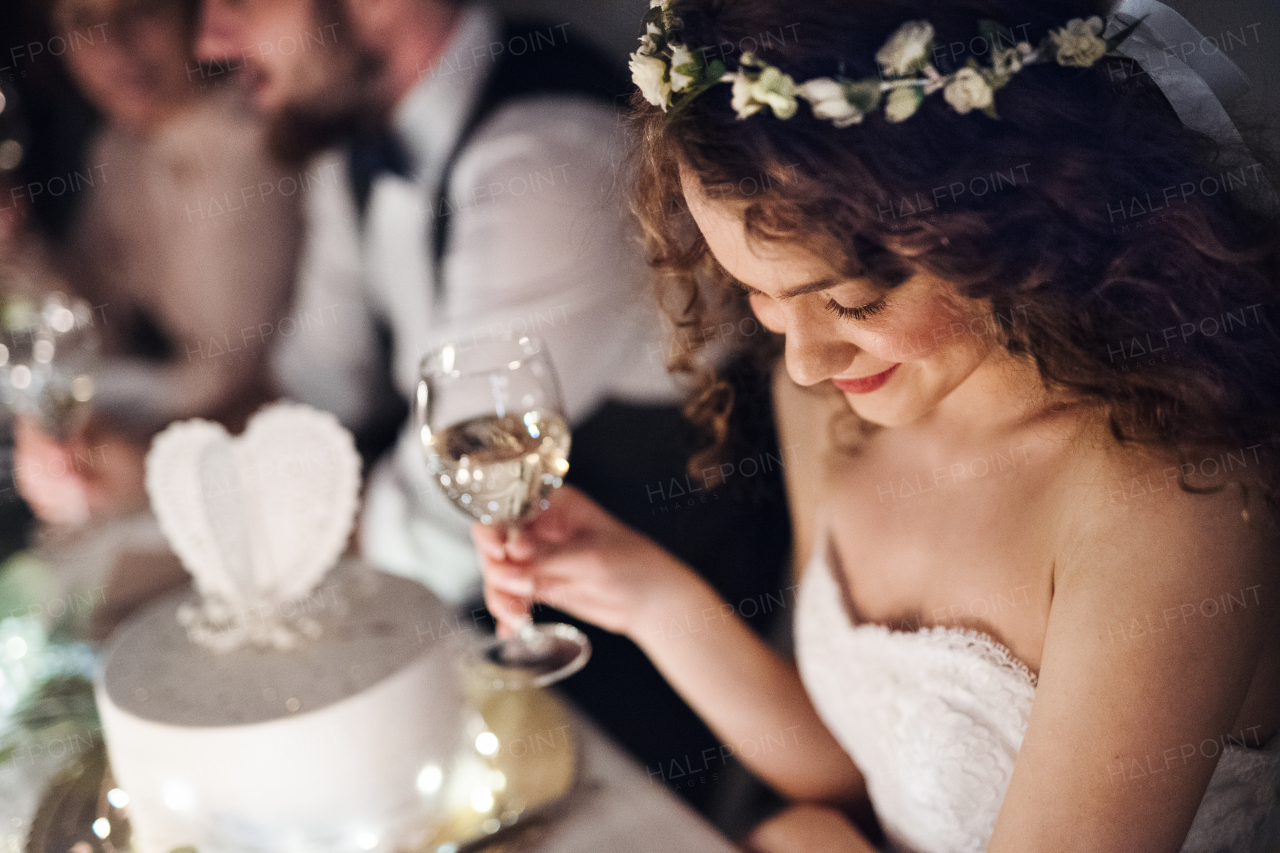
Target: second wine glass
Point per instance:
(492, 424)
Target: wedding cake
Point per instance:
(283, 704)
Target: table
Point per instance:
(617, 808)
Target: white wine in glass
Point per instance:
(491, 421)
(501, 468)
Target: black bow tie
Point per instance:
(370, 156)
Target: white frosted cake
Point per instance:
(282, 703)
(335, 745)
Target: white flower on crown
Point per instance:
(907, 50)
(902, 103)
(968, 91)
(827, 97)
(650, 76)
(680, 56)
(1078, 43)
(841, 102)
(767, 87)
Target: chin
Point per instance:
(268, 99)
(263, 88)
(888, 411)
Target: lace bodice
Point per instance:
(934, 719)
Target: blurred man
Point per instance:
(479, 202)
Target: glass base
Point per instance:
(538, 655)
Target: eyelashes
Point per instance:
(861, 313)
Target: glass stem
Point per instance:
(511, 532)
(529, 636)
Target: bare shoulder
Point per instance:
(1200, 514)
(1163, 615)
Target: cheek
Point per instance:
(928, 332)
(273, 35)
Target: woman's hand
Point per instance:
(579, 559)
(807, 829)
(95, 474)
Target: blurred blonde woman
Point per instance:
(185, 245)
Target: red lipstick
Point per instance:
(866, 384)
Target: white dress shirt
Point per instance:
(539, 242)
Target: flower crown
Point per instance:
(669, 74)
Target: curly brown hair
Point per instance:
(1065, 237)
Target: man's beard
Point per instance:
(347, 109)
(299, 131)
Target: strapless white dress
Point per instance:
(934, 719)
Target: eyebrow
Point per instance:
(799, 290)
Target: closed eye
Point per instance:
(860, 313)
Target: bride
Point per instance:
(1041, 611)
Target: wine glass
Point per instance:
(491, 421)
(48, 356)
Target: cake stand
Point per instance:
(501, 795)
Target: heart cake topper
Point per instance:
(257, 520)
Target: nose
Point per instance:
(814, 349)
(217, 35)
